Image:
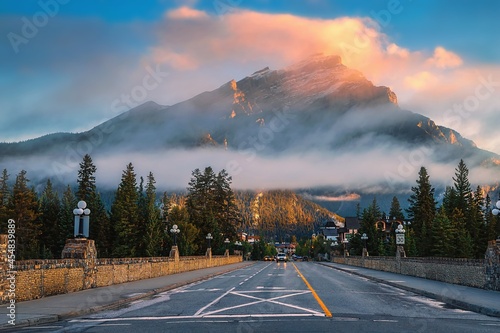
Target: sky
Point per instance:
(69, 65)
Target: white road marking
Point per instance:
(213, 302)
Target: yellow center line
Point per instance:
(320, 302)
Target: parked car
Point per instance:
(281, 257)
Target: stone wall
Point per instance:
(465, 272)
(39, 278)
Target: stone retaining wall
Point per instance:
(465, 272)
(483, 274)
(39, 278)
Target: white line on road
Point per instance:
(213, 302)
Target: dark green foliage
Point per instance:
(100, 228)
(23, 205)
(125, 216)
(151, 216)
(211, 206)
(49, 218)
(422, 210)
(4, 202)
(65, 220)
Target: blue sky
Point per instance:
(86, 54)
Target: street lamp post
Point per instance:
(400, 241)
(238, 245)
(81, 228)
(496, 211)
(175, 230)
(364, 237)
(226, 242)
(209, 238)
(345, 241)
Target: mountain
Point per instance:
(316, 105)
(279, 214)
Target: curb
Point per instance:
(450, 301)
(46, 319)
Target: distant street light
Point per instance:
(209, 238)
(81, 228)
(175, 230)
(364, 237)
(345, 241)
(226, 241)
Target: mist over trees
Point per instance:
(138, 220)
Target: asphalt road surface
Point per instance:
(282, 297)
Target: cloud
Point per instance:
(184, 12)
(443, 58)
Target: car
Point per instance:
(281, 257)
(297, 258)
(268, 258)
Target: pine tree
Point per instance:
(369, 217)
(5, 194)
(125, 215)
(24, 207)
(100, 228)
(490, 220)
(65, 224)
(153, 235)
(462, 188)
(396, 212)
(422, 210)
(477, 224)
(50, 207)
(86, 179)
(442, 245)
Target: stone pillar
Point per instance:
(400, 252)
(174, 253)
(209, 256)
(226, 254)
(4, 267)
(492, 265)
(84, 249)
(365, 252)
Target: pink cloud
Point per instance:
(443, 58)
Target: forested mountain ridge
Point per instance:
(278, 214)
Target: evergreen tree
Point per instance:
(86, 179)
(477, 224)
(65, 219)
(49, 217)
(449, 200)
(24, 207)
(125, 215)
(396, 212)
(442, 242)
(490, 220)
(151, 214)
(100, 228)
(461, 236)
(462, 188)
(369, 218)
(422, 210)
(5, 194)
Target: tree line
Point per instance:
(459, 227)
(137, 223)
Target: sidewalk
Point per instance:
(54, 308)
(473, 299)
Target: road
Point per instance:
(282, 297)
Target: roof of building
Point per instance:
(352, 223)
